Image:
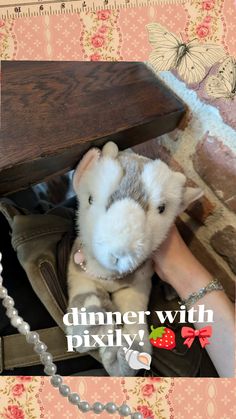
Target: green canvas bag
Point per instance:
(42, 243)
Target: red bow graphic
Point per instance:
(190, 334)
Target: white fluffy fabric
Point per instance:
(119, 237)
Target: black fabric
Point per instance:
(180, 361)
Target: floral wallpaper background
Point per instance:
(122, 35)
(156, 398)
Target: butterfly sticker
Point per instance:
(189, 59)
(223, 84)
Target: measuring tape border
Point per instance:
(15, 10)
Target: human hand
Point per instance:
(175, 264)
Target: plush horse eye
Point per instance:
(161, 208)
(90, 200)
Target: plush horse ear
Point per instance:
(91, 157)
(190, 195)
(110, 149)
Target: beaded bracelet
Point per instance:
(50, 368)
(214, 285)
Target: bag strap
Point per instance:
(15, 352)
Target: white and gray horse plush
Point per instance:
(127, 204)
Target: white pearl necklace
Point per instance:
(50, 368)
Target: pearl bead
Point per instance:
(56, 380)
(40, 347)
(136, 415)
(3, 292)
(111, 407)
(11, 312)
(64, 390)
(124, 410)
(24, 328)
(97, 407)
(32, 337)
(46, 358)
(8, 302)
(74, 398)
(84, 406)
(16, 321)
(50, 369)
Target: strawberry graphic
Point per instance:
(162, 338)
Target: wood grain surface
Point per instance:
(53, 112)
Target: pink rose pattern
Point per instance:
(149, 395)
(18, 389)
(95, 57)
(202, 30)
(205, 21)
(208, 4)
(25, 378)
(147, 390)
(6, 41)
(103, 14)
(101, 37)
(146, 411)
(18, 397)
(14, 412)
(154, 378)
(103, 29)
(97, 41)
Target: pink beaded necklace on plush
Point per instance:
(50, 368)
